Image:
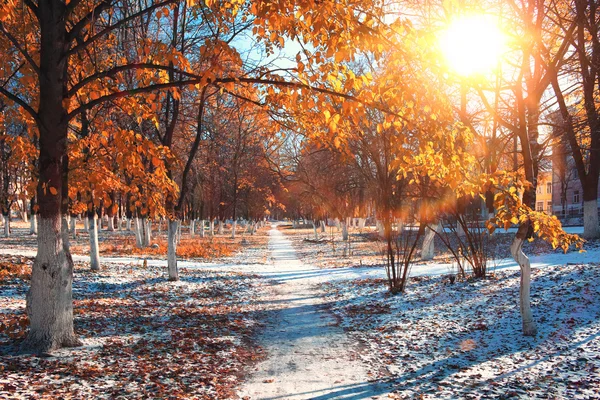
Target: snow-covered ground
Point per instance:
(335, 332)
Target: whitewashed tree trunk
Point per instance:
(193, 228)
(315, 230)
(380, 229)
(361, 223)
(323, 229)
(516, 250)
(201, 228)
(148, 232)
(212, 227)
(139, 232)
(344, 231)
(33, 225)
(172, 250)
(590, 219)
(128, 224)
(50, 299)
(294, 224)
(179, 231)
(221, 227)
(233, 226)
(6, 226)
(73, 226)
(111, 223)
(428, 249)
(86, 224)
(94, 249)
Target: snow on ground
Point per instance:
(144, 337)
(463, 340)
(308, 355)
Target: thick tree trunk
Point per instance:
(516, 250)
(129, 224)
(172, 250)
(201, 228)
(192, 227)
(86, 225)
(212, 227)
(221, 227)
(233, 226)
(94, 249)
(323, 229)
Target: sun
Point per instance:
(472, 44)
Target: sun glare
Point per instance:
(472, 44)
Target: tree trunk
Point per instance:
(590, 219)
(323, 229)
(111, 223)
(192, 227)
(94, 249)
(428, 250)
(147, 232)
(172, 250)
(315, 230)
(129, 224)
(33, 225)
(73, 227)
(233, 226)
(516, 250)
(221, 227)
(212, 227)
(6, 225)
(201, 228)
(139, 232)
(86, 224)
(345, 235)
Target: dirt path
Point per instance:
(309, 356)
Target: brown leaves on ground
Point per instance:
(207, 248)
(144, 337)
(15, 267)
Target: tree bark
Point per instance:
(94, 249)
(428, 250)
(6, 218)
(172, 250)
(516, 249)
(233, 226)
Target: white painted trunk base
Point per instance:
(139, 234)
(172, 250)
(221, 227)
(73, 226)
(50, 300)
(516, 250)
(428, 249)
(233, 226)
(202, 228)
(6, 226)
(94, 249)
(590, 219)
(344, 231)
(33, 225)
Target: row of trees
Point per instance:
(174, 107)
